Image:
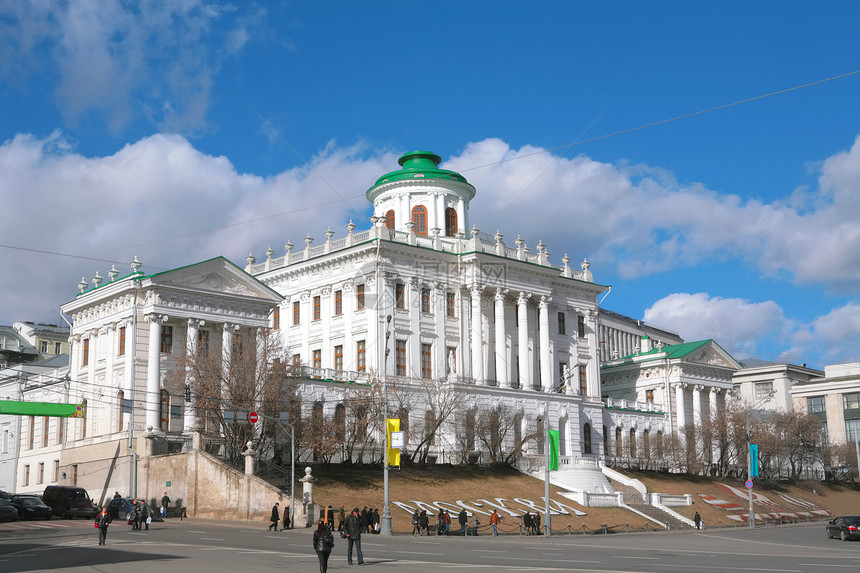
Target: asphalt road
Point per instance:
(196, 546)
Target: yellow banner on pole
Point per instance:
(392, 457)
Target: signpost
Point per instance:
(252, 417)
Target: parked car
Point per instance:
(120, 507)
(67, 501)
(844, 527)
(31, 507)
(7, 511)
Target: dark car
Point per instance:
(120, 507)
(69, 501)
(7, 511)
(844, 527)
(31, 507)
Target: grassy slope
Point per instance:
(362, 486)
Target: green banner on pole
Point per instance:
(754, 460)
(553, 449)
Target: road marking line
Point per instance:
(191, 531)
(624, 557)
(418, 553)
(723, 568)
(825, 565)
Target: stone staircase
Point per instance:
(633, 499)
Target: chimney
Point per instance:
(645, 345)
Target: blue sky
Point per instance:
(182, 131)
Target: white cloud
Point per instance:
(112, 58)
(732, 322)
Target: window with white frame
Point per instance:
(763, 390)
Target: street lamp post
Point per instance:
(765, 400)
(385, 526)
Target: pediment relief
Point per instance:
(710, 357)
(215, 282)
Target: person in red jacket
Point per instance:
(495, 518)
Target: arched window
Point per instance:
(518, 433)
(120, 415)
(618, 451)
(419, 217)
(586, 439)
(430, 428)
(646, 444)
(562, 437)
(605, 441)
(389, 219)
(659, 445)
(470, 430)
(340, 422)
(450, 222)
(164, 410)
(632, 442)
(541, 436)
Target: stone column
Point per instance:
(680, 413)
(190, 421)
(523, 341)
(227, 354)
(545, 356)
(697, 404)
(712, 401)
(153, 371)
(502, 373)
(477, 338)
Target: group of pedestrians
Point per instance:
(280, 517)
(351, 528)
(531, 523)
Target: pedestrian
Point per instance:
(462, 518)
(527, 523)
(145, 515)
(697, 519)
(374, 521)
(365, 520)
(446, 521)
(423, 522)
(353, 536)
(116, 495)
(275, 517)
(329, 518)
(102, 521)
(323, 544)
(416, 517)
(287, 523)
(135, 520)
(494, 521)
(341, 518)
(536, 523)
(165, 501)
(475, 524)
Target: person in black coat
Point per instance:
(365, 518)
(103, 519)
(463, 519)
(354, 528)
(323, 544)
(274, 518)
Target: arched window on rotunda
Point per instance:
(419, 217)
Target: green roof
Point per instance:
(418, 165)
(672, 351)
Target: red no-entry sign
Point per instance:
(252, 417)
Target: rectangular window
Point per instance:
(580, 326)
(165, 410)
(317, 358)
(297, 361)
(338, 357)
(176, 411)
(425, 300)
(26, 480)
(815, 404)
(649, 396)
(85, 353)
(41, 476)
(57, 348)
(297, 312)
(360, 360)
(121, 345)
(60, 426)
(400, 358)
(276, 318)
(561, 323)
(167, 339)
(31, 432)
(46, 425)
(449, 304)
(44, 347)
(316, 307)
(851, 401)
(400, 295)
(203, 343)
(583, 380)
(426, 360)
(359, 297)
(5, 441)
(763, 390)
(338, 302)
(852, 430)
(56, 470)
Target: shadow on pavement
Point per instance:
(32, 557)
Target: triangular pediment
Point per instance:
(709, 353)
(216, 275)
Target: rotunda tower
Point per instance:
(422, 197)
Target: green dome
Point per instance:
(418, 165)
